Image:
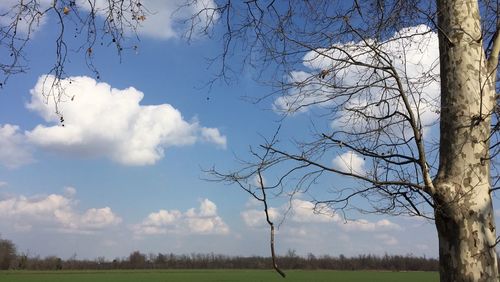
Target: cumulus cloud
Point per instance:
(301, 212)
(349, 162)
(99, 218)
(54, 211)
(103, 121)
(14, 151)
(203, 220)
(413, 52)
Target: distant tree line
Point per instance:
(10, 259)
(137, 260)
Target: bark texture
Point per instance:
(464, 212)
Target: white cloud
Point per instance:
(363, 225)
(103, 121)
(300, 232)
(54, 211)
(162, 217)
(3, 184)
(69, 191)
(306, 212)
(159, 23)
(163, 19)
(13, 148)
(213, 135)
(387, 239)
(257, 218)
(349, 162)
(301, 212)
(208, 208)
(99, 218)
(307, 93)
(413, 52)
(194, 221)
(256, 181)
(10, 14)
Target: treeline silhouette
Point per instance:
(137, 260)
(10, 259)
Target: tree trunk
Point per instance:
(464, 212)
(465, 240)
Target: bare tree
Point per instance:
(360, 67)
(93, 22)
(374, 71)
(137, 260)
(7, 253)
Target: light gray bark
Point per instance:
(464, 212)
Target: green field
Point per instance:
(213, 276)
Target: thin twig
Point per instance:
(271, 224)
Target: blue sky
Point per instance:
(125, 173)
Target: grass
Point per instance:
(214, 276)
